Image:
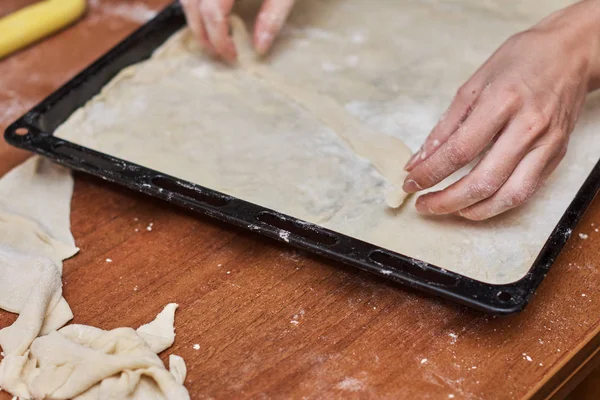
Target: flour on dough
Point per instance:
(387, 153)
(316, 130)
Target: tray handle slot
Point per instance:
(418, 269)
(305, 231)
(193, 193)
(98, 162)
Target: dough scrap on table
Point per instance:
(41, 360)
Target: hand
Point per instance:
(524, 101)
(208, 21)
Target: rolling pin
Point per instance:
(32, 23)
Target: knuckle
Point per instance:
(427, 178)
(210, 12)
(458, 153)
(517, 37)
(563, 151)
(523, 37)
(466, 93)
(562, 136)
(483, 189)
(511, 96)
(558, 141)
(537, 120)
(426, 174)
(520, 196)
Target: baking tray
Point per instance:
(34, 132)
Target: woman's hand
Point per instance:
(209, 23)
(524, 101)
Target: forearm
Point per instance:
(580, 24)
(593, 13)
(595, 76)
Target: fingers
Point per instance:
(208, 20)
(214, 17)
(271, 18)
(515, 141)
(191, 10)
(457, 113)
(489, 115)
(522, 184)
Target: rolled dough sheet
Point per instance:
(392, 66)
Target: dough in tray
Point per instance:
(316, 130)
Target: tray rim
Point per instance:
(490, 298)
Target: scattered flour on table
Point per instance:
(454, 337)
(134, 12)
(351, 384)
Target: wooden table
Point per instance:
(275, 323)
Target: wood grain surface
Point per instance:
(272, 322)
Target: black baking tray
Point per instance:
(34, 132)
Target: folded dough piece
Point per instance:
(34, 240)
(160, 333)
(32, 287)
(83, 362)
(77, 361)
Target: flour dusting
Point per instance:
(351, 385)
(134, 12)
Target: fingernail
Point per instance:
(263, 42)
(422, 207)
(410, 186)
(412, 160)
(232, 58)
(229, 53)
